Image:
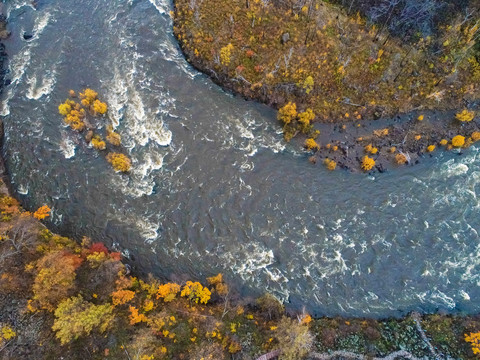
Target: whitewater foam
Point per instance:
(47, 84)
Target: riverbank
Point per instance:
(50, 286)
(352, 77)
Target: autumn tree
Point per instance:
(270, 306)
(196, 292)
(168, 291)
(294, 338)
(287, 113)
(56, 272)
(42, 213)
(121, 297)
(75, 317)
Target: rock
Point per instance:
(285, 38)
(27, 36)
(4, 33)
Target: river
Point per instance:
(214, 188)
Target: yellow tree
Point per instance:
(196, 292)
(75, 317)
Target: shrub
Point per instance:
(465, 116)
(119, 162)
(226, 54)
(370, 149)
(458, 141)
(367, 163)
(135, 317)
(308, 84)
(76, 317)
(381, 132)
(98, 143)
(6, 333)
(306, 117)
(88, 97)
(431, 148)
(330, 164)
(121, 297)
(311, 144)
(401, 159)
(444, 142)
(64, 109)
(476, 136)
(98, 248)
(113, 137)
(220, 287)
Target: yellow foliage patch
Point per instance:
(476, 136)
(64, 109)
(121, 297)
(100, 107)
(42, 212)
(98, 143)
(7, 333)
(226, 54)
(311, 144)
(135, 317)
(305, 118)
(330, 164)
(401, 159)
(474, 340)
(465, 116)
(367, 163)
(287, 113)
(168, 292)
(195, 291)
(88, 96)
(458, 141)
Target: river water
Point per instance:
(214, 188)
